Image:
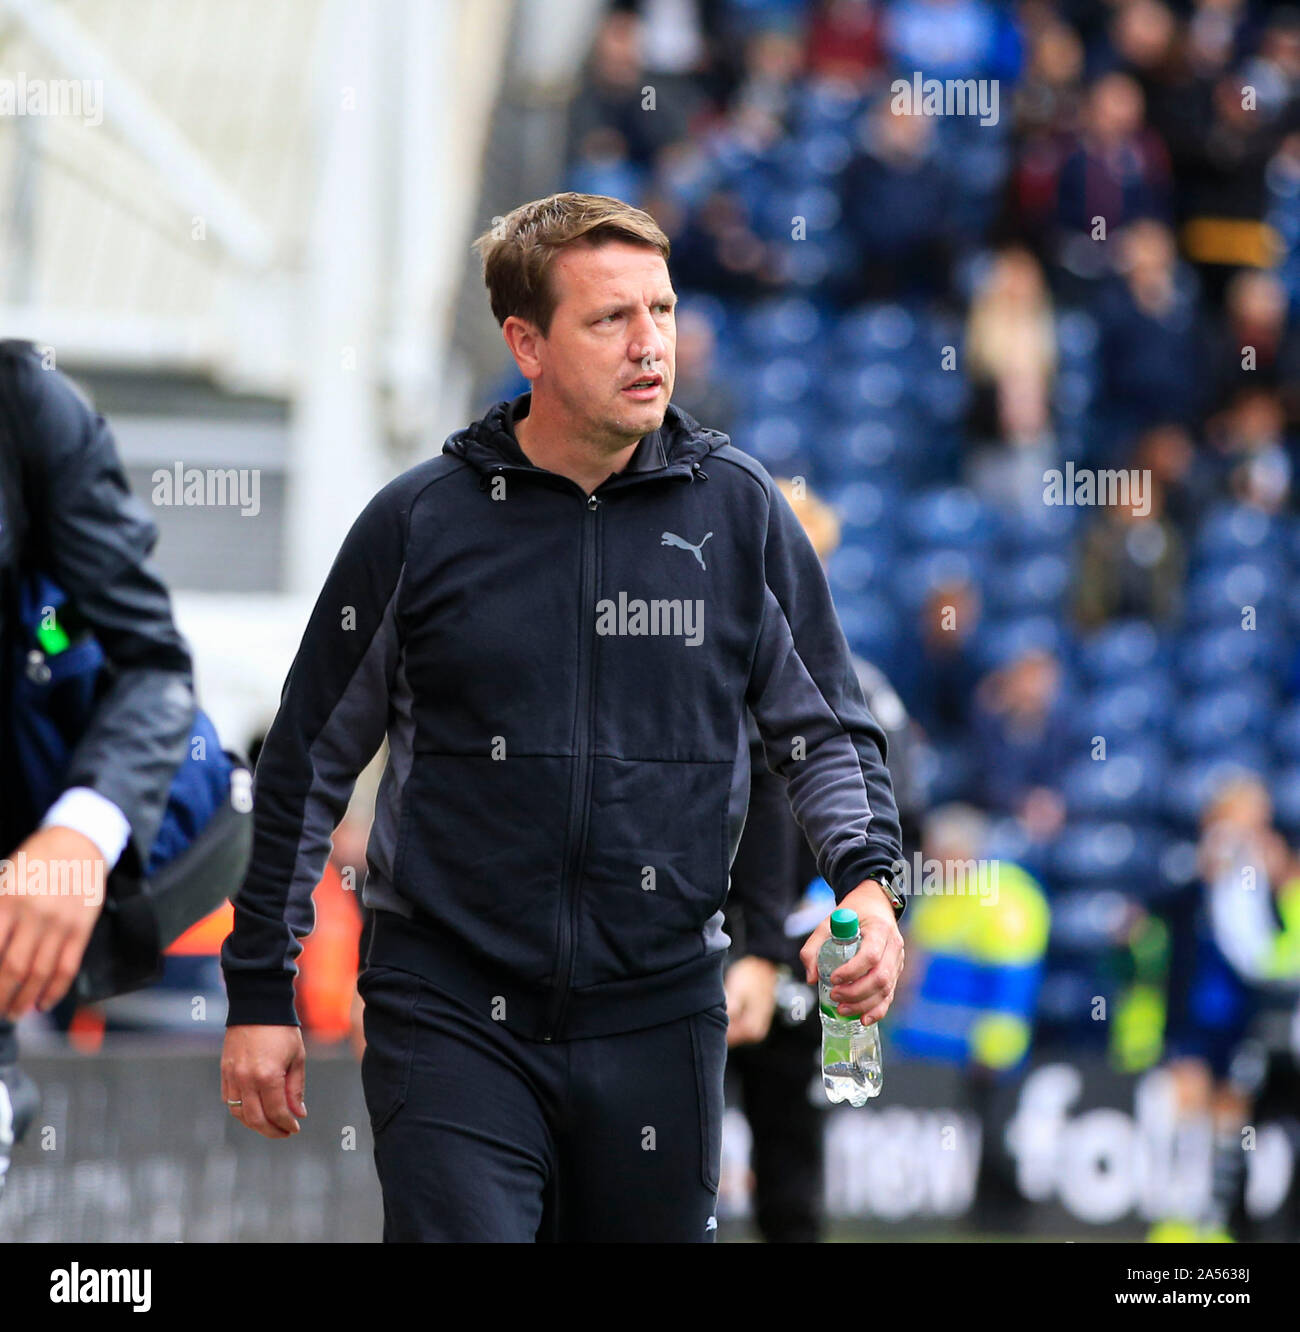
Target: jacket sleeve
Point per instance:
(332, 719)
(765, 873)
(94, 538)
(817, 732)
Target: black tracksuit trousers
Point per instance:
(482, 1135)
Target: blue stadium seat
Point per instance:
(1113, 854)
(1035, 585)
(1191, 784)
(1117, 787)
(1220, 593)
(1120, 649)
(1286, 735)
(918, 575)
(953, 516)
(1285, 790)
(866, 510)
(1138, 706)
(871, 627)
(1235, 531)
(854, 570)
(781, 326)
(998, 643)
(1208, 659)
(856, 452)
(1035, 528)
(1208, 723)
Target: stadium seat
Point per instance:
(1116, 787)
(1207, 723)
(1191, 784)
(1035, 585)
(1120, 649)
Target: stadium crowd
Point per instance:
(1043, 363)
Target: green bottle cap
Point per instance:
(844, 923)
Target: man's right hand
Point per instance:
(264, 1069)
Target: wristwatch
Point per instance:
(896, 899)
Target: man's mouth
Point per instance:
(646, 387)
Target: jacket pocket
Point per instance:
(481, 852)
(655, 866)
(391, 998)
(709, 1045)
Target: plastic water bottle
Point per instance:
(851, 1067)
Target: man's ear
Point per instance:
(523, 337)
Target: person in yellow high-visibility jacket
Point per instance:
(976, 946)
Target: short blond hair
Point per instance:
(518, 249)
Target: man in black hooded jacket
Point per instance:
(559, 624)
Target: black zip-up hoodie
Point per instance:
(563, 681)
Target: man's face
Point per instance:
(613, 326)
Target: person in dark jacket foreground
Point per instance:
(67, 514)
(559, 623)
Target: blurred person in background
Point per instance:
(1011, 363)
(1118, 172)
(1153, 343)
(775, 1036)
(67, 513)
(896, 197)
(1257, 346)
(1131, 563)
(845, 41)
(977, 941)
(940, 689)
(1019, 732)
(701, 391)
(1248, 450)
(1235, 991)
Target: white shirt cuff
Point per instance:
(94, 816)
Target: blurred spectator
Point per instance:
(611, 98)
(1235, 987)
(699, 390)
(940, 688)
(1152, 341)
(1257, 347)
(1020, 734)
(945, 39)
(976, 941)
(845, 41)
(1248, 447)
(1131, 561)
(897, 198)
(1011, 362)
(1118, 172)
(1179, 472)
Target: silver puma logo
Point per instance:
(672, 539)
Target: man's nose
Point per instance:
(648, 344)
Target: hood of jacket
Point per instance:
(490, 443)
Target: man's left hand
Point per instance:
(751, 999)
(864, 985)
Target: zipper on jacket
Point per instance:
(580, 800)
